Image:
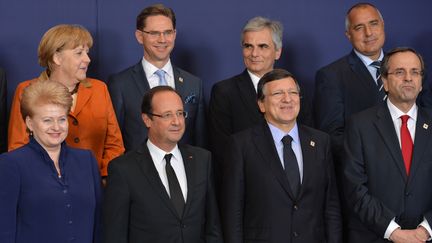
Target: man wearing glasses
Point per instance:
(387, 159)
(156, 32)
(163, 191)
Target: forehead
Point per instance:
(260, 36)
(406, 60)
(158, 22)
(363, 15)
(285, 84)
(166, 101)
(48, 110)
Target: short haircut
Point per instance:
(360, 5)
(58, 38)
(44, 92)
(385, 62)
(275, 74)
(154, 10)
(146, 105)
(258, 23)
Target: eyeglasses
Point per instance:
(156, 34)
(170, 116)
(278, 94)
(401, 73)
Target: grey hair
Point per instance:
(258, 23)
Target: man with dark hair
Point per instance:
(3, 112)
(278, 178)
(156, 32)
(163, 191)
(387, 168)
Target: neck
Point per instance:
(403, 106)
(156, 63)
(70, 84)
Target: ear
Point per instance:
(348, 35)
(29, 123)
(146, 119)
(261, 106)
(139, 36)
(278, 53)
(385, 83)
(57, 58)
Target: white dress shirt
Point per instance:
(255, 80)
(153, 79)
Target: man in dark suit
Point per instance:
(387, 168)
(351, 84)
(156, 32)
(278, 179)
(162, 192)
(233, 106)
(3, 112)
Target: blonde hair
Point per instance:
(58, 38)
(44, 92)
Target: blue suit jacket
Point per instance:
(127, 89)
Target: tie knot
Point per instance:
(376, 64)
(160, 73)
(287, 140)
(404, 119)
(168, 158)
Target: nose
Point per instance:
(55, 126)
(368, 31)
(255, 52)
(87, 58)
(161, 37)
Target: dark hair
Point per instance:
(388, 55)
(153, 10)
(146, 105)
(275, 74)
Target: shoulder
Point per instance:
(24, 84)
(194, 150)
(18, 156)
(228, 84)
(96, 83)
(336, 65)
(186, 75)
(312, 132)
(125, 74)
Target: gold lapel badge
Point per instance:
(312, 143)
(425, 126)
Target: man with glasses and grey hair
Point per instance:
(156, 32)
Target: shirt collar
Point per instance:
(396, 113)
(159, 154)
(366, 60)
(255, 79)
(278, 134)
(150, 69)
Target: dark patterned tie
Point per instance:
(377, 66)
(174, 186)
(291, 166)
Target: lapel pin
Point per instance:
(190, 157)
(312, 143)
(425, 126)
(181, 79)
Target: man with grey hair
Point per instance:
(233, 105)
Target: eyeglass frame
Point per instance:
(401, 73)
(156, 34)
(169, 115)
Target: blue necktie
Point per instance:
(161, 74)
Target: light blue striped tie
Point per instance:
(161, 74)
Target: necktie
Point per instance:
(377, 66)
(407, 143)
(291, 166)
(161, 74)
(174, 187)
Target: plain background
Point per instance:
(208, 34)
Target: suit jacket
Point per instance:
(233, 107)
(92, 124)
(3, 112)
(137, 207)
(257, 203)
(377, 188)
(127, 89)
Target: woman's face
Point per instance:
(49, 125)
(73, 63)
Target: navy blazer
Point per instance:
(377, 188)
(39, 207)
(127, 90)
(257, 204)
(137, 207)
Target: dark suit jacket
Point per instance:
(127, 89)
(137, 207)
(233, 107)
(257, 204)
(377, 188)
(3, 112)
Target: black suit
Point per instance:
(376, 186)
(257, 204)
(3, 112)
(127, 89)
(137, 207)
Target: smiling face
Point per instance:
(281, 103)
(403, 90)
(259, 51)
(157, 49)
(72, 64)
(366, 31)
(162, 132)
(49, 125)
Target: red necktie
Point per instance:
(406, 142)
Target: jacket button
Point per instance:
(295, 207)
(76, 140)
(75, 122)
(295, 234)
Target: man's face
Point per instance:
(259, 51)
(366, 31)
(281, 104)
(157, 47)
(404, 80)
(163, 132)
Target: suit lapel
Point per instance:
(247, 93)
(146, 164)
(385, 127)
(179, 82)
(140, 78)
(83, 96)
(309, 156)
(361, 70)
(189, 165)
(265, 145)
(421, 143)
